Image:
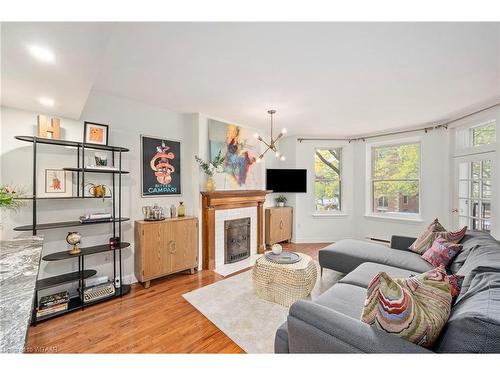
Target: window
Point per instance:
(395, 178)
(327, 179)
(474, 194)
(484, 134)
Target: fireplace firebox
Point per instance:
(236, 240)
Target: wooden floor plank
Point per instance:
(154, 320)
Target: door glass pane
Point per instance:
(486, 207)
(476, 167)
(486, 168)
(487, 225)
(474, 209)
(486, 189)
(475, 189)
(476, 225)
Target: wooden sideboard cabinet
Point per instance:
(278, 225)
(165, 247)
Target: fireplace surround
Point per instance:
(228, 200)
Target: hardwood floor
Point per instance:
(154, 320)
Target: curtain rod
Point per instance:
(425, 129)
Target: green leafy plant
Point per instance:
(10, 198)
(211, 167)
(281, 199)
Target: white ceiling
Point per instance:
(323, 78)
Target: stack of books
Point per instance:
(96, 218)
(52, 304)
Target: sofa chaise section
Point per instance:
(345, 255)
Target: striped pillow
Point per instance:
(427, 237)
(415, 309)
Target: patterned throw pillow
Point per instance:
(433, 231)
(455, 284)
(427, 237)
(441, 252)
(416, 309)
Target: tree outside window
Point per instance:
(327, 179)
(396, 178)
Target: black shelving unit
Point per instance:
(79, 276)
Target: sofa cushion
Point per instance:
(479, 249)
(474, 323)
(281, 339)
(415, 308)
(345, 255)
(345, 298)
(364, 273)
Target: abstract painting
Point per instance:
(240, 149)
(161, 166)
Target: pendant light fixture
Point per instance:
(273, 141)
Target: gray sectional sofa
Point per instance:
(331, 323)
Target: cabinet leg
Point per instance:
(191, 271)
(146, 284)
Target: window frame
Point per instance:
(341, 185)
(369, 208)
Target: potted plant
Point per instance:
(280, 200)
(10, 198)
(210, 168)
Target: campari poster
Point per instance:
(161, 166)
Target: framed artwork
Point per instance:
(95, 133)
(55, 183)
(240, 149)
(160, 166)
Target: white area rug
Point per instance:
(251, 322)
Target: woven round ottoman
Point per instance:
(284, 283)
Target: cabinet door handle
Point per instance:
(171, 247)
(281, 224)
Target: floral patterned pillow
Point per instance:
(442, 252)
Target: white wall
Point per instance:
(127, 120)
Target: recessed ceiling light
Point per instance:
(48, 102)
(42, 54)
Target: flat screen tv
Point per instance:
(286, 180)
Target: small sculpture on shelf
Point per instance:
(98, 191)
(74, 238)
(181, 211)
(52, 131)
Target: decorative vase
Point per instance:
(281, 204)
(211, 184)
(276, 249)
(181, 210)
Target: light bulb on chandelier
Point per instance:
(282, 158)
(277, 154)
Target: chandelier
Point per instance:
(272, 142)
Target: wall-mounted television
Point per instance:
(286, 180)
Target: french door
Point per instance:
(472, 195)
